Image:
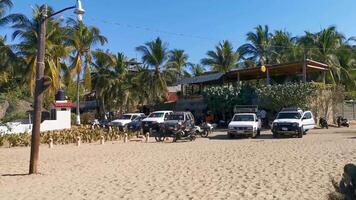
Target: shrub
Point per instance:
(276, 97)
(87, 118)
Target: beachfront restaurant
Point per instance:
(304, 71)
(191, 98)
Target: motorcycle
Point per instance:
(204, 130)
(342, 122)
(323, 123)
(181, 132)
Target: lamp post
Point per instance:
(39, 89)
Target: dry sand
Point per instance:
(214, 168)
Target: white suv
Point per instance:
(293, 121)
(125, 119)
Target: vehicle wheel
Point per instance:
(305, 132)
(205, 134)
(231, 136)
(300, 133)
(258, 132)
(159, 136)
(192, 138)
(347, 125)
(275, 135)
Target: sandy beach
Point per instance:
(214, 168)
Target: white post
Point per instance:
(102, 140)
(126, 138)
(50, 143)
(78, 141)
(147, 137)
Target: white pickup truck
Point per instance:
(244, 124)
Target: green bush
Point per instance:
(276, 97)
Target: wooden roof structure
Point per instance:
(288, 69)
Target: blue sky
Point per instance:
(198, 25)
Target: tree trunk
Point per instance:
(78, 100)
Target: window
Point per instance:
(308, 115)
(63, 109)
(53, 114)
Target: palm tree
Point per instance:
(284, 48)
(258, 47)
(155, 55)
(197, 69)
(323, 46)
(223, 59)
(26, 31)
(82, 38)
(177, 62)
(5, 6)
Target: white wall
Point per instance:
(63, 122)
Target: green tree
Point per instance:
(82, 38)
(155, 54)
(223, 59)
(323, 46)
(26, 31)
(284, 48)
(197, 69)
(258, 46)
(177, 64)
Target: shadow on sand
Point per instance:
(14, 175)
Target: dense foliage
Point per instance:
(275, 97)
(222, 98)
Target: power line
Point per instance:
(144, 28)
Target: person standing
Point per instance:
(263, 115)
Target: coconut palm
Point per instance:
(284, 48)
(155, 54)
(324, 46)
(223, 59)
(82, 38)
(258, 46)
(177, 62)
(197, 69)
(26, 31)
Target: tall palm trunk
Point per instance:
(78, 99)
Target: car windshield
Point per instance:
(126, 117)
(139, 119)
(156, 115)
(179, 117)
(243, 118)
(291, 115)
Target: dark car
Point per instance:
(136, 124)
(177, 120)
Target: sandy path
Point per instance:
(205, 169)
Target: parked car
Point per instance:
(136, 124)
(125, 119)
(178, 125)
(244, 124)
(293, 121)
(153, 121)
(177, 119)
